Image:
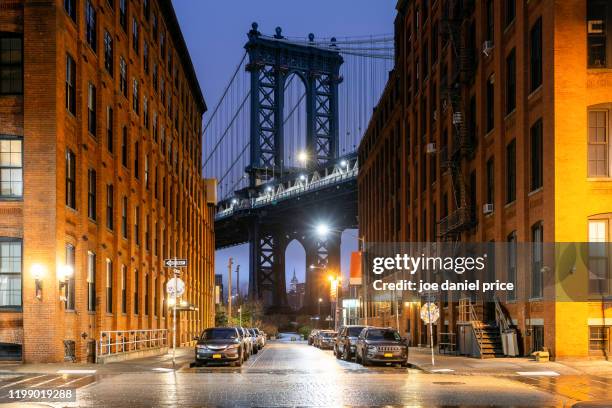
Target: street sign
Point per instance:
(175, 287)
(430, 313)
(175, 263)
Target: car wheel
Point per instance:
(357, 357)
(364, 361)
(405, 364)
(346, 355)
(255, 350)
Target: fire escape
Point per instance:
(455, 89)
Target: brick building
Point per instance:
(494, 126)
(100, 123)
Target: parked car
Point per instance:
(346, 341)
(220, 345)
(258, 336)
(248, 342)
(312, 336)
(381, 345)
(325, 339)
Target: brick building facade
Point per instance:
(494, 126)
(100, 124)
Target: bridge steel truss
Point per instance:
(272, 60)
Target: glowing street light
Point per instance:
(343, 163)
(302, 157)
(323, 230)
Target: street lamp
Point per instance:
(343, 163)
(302, 157)
(319, 314)
(334, 286)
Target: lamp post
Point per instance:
(334, 288)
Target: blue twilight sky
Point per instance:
(215, 32)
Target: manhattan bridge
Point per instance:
(282, 143)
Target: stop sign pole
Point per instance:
(174, 264)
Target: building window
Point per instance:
(598, 145)
(70, 7)
(137, 224)
(91, 281)
(109, 286)
(599, 15)
(91, 194)
(535, 56)
(11, 167)
(90, 25)
(123, 14)
(124, 147)
(110, 204)
(511, 81)
(70, 84)
(124, 221)
(599, 339)
(70, 179)
(155, 78)
(109, 128)
(136, 291)
(147, 232)
(70, 287)
(155, 297)
(490, 20)
(123, 289)
(135, 95)
(135, 35)
(108, 52)
(511, 171)
(137, 160)
(511, 263)
(510, 11)
(537, 259)
(123, 76)
(155, 27)
(537, 155)
(146, 295)
(146, 9)
(11, 64)
(599, 279)
(10, 272)
(91, 109)
(490, 103)
(490, 181)
(145, 112)
(146, 171)
(145, 57)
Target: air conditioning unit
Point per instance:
(595, 27)
(430, 148)
(457, 118)
(487, 208)
(487, 47)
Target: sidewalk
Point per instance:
(161, 363)
(508, 366)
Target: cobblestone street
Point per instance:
(294, 374)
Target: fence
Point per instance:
(126, 341)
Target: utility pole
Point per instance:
(229, 291)
(237, 283)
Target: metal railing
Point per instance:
(301, 185)
(448, 343)
(114, 342)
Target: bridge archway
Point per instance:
(295, 273)
(295, 121)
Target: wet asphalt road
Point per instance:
(294, 374)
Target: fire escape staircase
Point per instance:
(462, 145)
(487, 335)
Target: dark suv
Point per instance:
(346, 341)
(381, 345)
(220, 345)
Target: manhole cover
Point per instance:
(448, 383)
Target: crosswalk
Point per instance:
(10, 383)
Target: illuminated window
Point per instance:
(598, 153)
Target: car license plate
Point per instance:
(216, 355)
(388, 354)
